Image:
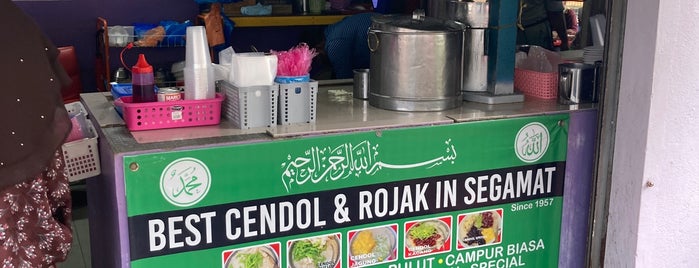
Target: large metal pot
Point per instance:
(474, 14)
(415, 63)
(438, 8)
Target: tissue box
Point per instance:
(252, 69)
(297, 102)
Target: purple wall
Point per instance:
(73, 22)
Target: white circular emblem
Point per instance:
(185, 181)
(531, 142)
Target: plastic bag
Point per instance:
(256, 10)
(538, 59)
(120, 36)
(252, 69)
(175, 32)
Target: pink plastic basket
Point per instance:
(170, 114)
(536, 84)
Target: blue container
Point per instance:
(292, 79)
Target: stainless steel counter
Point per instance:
(337, 112)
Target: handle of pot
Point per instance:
(371, 34)
(419, 15)
(564, 85)
(486, 41)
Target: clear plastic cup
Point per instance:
(198, 71)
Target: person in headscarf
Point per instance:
(35, 202)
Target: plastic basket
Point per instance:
(249, 107)
(81, 156)
(537, 84)
(82, 159)
(297, 103)
(170, 114)
(75, 107)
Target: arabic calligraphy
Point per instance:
(531, 145)
(326, 164)
(531, 142)
(187, 180)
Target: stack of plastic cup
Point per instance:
(198, 70)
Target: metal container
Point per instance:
(577, 83)
(360, 89)
(301, 6)
(122, 76)
(475, 16)
(438, 8)
(415, 63)
(169, 94)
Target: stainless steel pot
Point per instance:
(416, 63)
(475, 15)
(438, 8)
(577, 83)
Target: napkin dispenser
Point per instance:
(252, 69)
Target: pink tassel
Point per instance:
(296, 61)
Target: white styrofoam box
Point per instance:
(297, 102)
(249, 107)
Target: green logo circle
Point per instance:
(185, 182)
(531, 142)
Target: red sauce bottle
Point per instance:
(142, 81)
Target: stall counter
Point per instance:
(233, 186)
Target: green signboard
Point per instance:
(483, 194)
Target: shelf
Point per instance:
(290, 20)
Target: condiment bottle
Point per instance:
(142, 81)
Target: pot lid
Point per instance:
(415, 23)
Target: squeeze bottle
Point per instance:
(142, 81)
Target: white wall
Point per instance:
(656, 139)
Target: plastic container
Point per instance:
(249, 107)
(170, 114)
(297, 103)
(536, 84)
(75, 107)
(81, 157)
(142, 81)
(199, 81)
(292, 79)
(316, 6)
